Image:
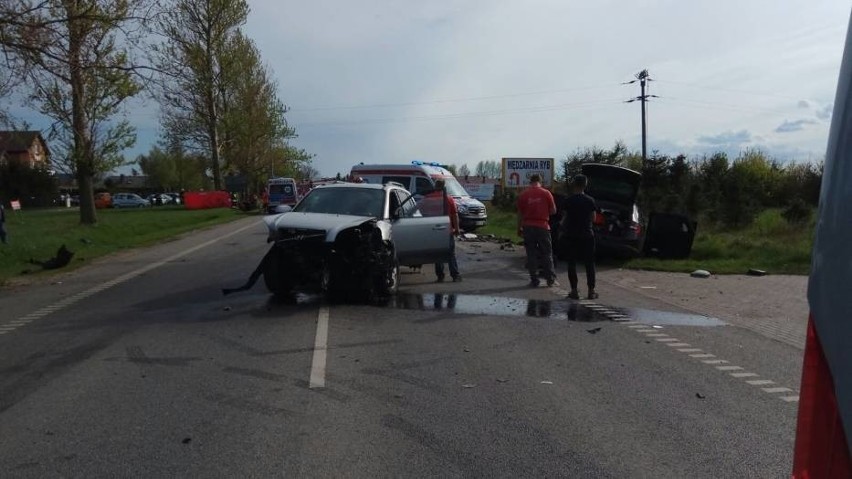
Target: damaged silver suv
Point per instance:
(349, 240)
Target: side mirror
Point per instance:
(283, 209)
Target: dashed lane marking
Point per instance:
(715, 361)
(668, 340)
(690, 350)
(702, 355)
(760, 382)
(320, 350)
(744, 375)
(777, 390)
(678, 345)
(790, 398)
(729, 368)
(71, 300)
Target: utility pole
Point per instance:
(642, 77)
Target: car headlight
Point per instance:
(462, 209)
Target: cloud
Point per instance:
(825, 112)
(804, 104)
(727, 138)
(791, 126)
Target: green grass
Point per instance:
(37, 234)
(503, 224)
(770, 244)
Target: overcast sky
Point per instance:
(464, 81)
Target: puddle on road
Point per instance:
(495, 306)
(668, 318)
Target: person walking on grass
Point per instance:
(2, 223)
(535, 206)
(577, 228)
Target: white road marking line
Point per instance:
(668, 340)
(744, 375)
(790, 398)
(634, 326)
(65, 302)
(777, 390)
(678, 345)
(690, 350)
(658, 335)
(760, 382)
(645, 330)
(8, 328)
(715, 361)
(729, 368)
(622, 319)
(704, 355)
(320, 350)
(3, 332)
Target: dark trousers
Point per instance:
(2, 231)
(539, 252)
(583, 250)
(454, 265)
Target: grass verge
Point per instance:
(770, 244)
(37, 234)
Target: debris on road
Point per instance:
(62, 258)
(700, 396)
(187, 440)
(469, 386)
(700, 273)
(756, 272)
(469, 236)
(499, 380)
(466, 350)
(593, 331)
(227, 308)
(547, 382)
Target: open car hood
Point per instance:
(612, 183)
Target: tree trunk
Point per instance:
(82, 152)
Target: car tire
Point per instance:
(273, 278)
(388, 284)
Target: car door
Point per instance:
(418, 239)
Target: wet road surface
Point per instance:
(157, 374)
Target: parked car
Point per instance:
(619, 223)
(159, 199)
(175, 197)
(349, 240)
(128, 200)
(103, 200)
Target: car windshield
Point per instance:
(278, 189)
(343, 201)
(454, 188)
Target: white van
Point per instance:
(419, 178)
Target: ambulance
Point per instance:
(419, 178)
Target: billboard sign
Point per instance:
(517, 171)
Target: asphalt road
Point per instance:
(138, 367)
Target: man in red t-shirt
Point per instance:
(535, 206)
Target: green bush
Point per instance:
(797, 212)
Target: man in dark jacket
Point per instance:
(577, 228)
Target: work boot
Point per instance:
(457, 278)
(552, 282)
(574, 294)
(440, 279)
(534, 282)
(593, 294)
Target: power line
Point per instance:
(451, 100)
(451, 116)
(729, 90)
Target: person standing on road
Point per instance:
(435, 203)
(2, 223)
(535, 207)
(577, 228)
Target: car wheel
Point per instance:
(273, 277)
(389, 282)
